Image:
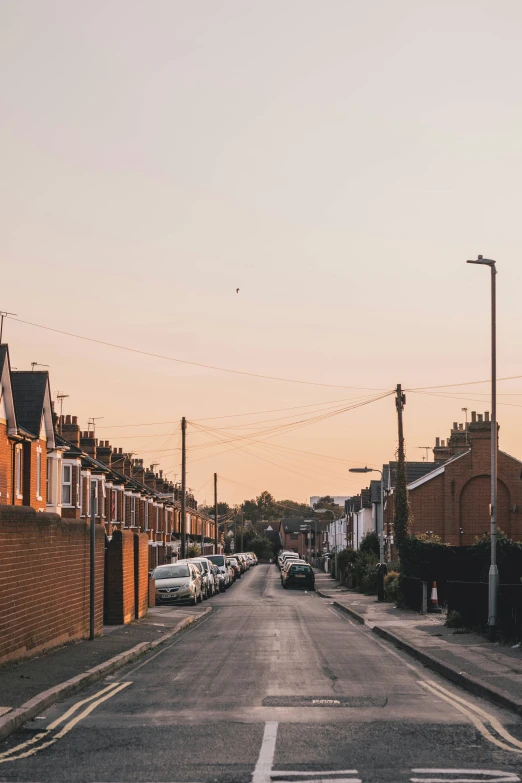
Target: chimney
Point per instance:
(455, 425)
(486, 416)
(480, 417)
(88, 444)
(71, 430)
(104, 452)
(437, 443)
(473, 417)
(480, 430)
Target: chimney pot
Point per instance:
(75, 419)
(442, 443)
(486, 416)
(480, 417)
(455, 425)
(437, 443)
(91, 435)
(473, 416)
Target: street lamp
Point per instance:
(493, 570)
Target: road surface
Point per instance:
(273, 686)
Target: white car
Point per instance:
(221, 562)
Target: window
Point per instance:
(133, 511)
(18, 470)
(67, 485)
(49, 482)
(39, 473)
(123, 508)
(146, 515)
(78, 485)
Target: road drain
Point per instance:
(325, 701)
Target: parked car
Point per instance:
(212, 582)
(254, 557)
(233, 562)
(242, 560)
(220, 561)
(299, 575)
(205, 580)
(287, 565)
(177, 583)
(282, 555)
(286, 557)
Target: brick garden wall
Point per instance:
(120, 578)
(44, 581)
(141, 573)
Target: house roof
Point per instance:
(29, 390)
(414, 471)
(437, 471)
(292, 524)
(375, 491)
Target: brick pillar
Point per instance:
(120, 578)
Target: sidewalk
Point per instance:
(486, 669)
(32, 685)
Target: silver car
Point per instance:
(177, 583)
(220, 561)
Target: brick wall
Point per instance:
(44, 581)
(141, 573)
(120, 578)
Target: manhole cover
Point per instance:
(325, 701)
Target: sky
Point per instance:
(336, 161)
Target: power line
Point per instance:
(192, 364)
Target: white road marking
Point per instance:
(295, 773)
(486, 776)
(266, 754)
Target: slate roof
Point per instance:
(375, 491)
(414, 471)
(73, 450)
(292, 524)
(29, 390)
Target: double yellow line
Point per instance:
(477, 716)
(46, 738)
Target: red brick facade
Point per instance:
(44, 581)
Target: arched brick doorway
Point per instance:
(475, 519)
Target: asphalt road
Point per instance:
(274, 685)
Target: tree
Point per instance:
(223, 508)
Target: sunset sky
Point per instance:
(336, 161)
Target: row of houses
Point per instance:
(449, 496)
(49, 464)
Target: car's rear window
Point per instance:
(300, 569)
(170, 572)
(218, 560)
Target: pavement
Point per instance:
(490, 670)
(272, 685)
(31, 684)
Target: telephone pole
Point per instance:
(401, 510)
(183, 490)
(216, 534)
(242, 526)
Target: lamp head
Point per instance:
(360, 470)
(483, 261)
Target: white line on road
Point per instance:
(266, 754)
(486, 776)
(299, 773)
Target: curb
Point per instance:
(353, 614)
(467, 682)
(17, 717)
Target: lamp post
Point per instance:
(493, 570)
(380, 526)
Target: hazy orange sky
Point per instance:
(337, 161)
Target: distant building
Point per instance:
(338, 499)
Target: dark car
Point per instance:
(299, 575)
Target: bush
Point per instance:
(454, 620)
(365, 572)
(193, 550)
(392, 591)
(370, 544)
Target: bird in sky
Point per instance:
(237, 290)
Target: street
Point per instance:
(273, 685)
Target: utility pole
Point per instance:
(242, 526)
(92, 585)
(215, 516)
(401, 510)
(235, 531)
(183, 490)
